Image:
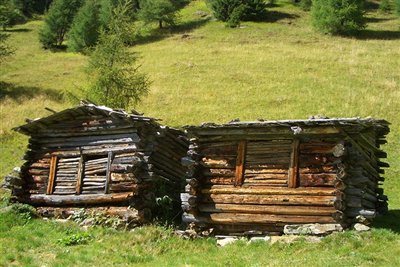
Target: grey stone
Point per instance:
(312, 229)
(226, 241)
(361, 227)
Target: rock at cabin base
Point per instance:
(292, 238)
(360, 227)
(312, 229)
(226, 241)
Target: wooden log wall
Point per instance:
(317, 178)
(86, 158)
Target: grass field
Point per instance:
(203, 71)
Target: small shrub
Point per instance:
(160, 11)
(235, 16)
(10, 14)
(385, 6)
(25, 211)
(306, 4)
(338, 16)
(72, 239)
(234, 11)
(397, 4)
(5, 49)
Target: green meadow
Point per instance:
(202, 71)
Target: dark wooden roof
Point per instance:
(83, 109)
(351, 124)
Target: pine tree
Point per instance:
(385, 6)
(58, 21)
(10, 14)
(161, 11)
(338, 16)
(115, 79)
(233, 11)
(85, 28)
(397, 7)
(5, 49)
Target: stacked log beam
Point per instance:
(294, 172)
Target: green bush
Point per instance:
(10, 14)
(385, 6)
(5, 49)
(338, 16)
(72, 239)
(85, 28)
(234, 11)
(397, 4)
(306, 4)
(161, 11)
(58, 21)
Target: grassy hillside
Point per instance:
(203, 71)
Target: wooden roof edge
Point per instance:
(315, 122)
(85, 106)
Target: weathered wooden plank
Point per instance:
(53, 200)
(294, 164)
(240, 160)
(319, 191)
(286, 200)
(120, 177)
(108, 173)
(52, 174)
(318, 179)
(267, 209)
(229, 218)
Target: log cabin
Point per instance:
(245, 177)
(97, 157)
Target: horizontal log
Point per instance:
(120, 177)
(318, 191)
(219, 163)
(267, 209)
(266, 171)
(318, 169)
(300, 200)
(85, 140)
(265, 131)
(78, 199)
(266, 176)
(319, 179)
(354, 212)
(243, 218)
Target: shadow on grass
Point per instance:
(18, 92)
(274, 16)
(160, 34)
(371, 5)
(378, 35)
(389, 221)
(18, 30)
(376, 20)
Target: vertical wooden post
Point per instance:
(240, 161)
(79, 177)
(52, 174)
(294, 164)
(108, 173)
